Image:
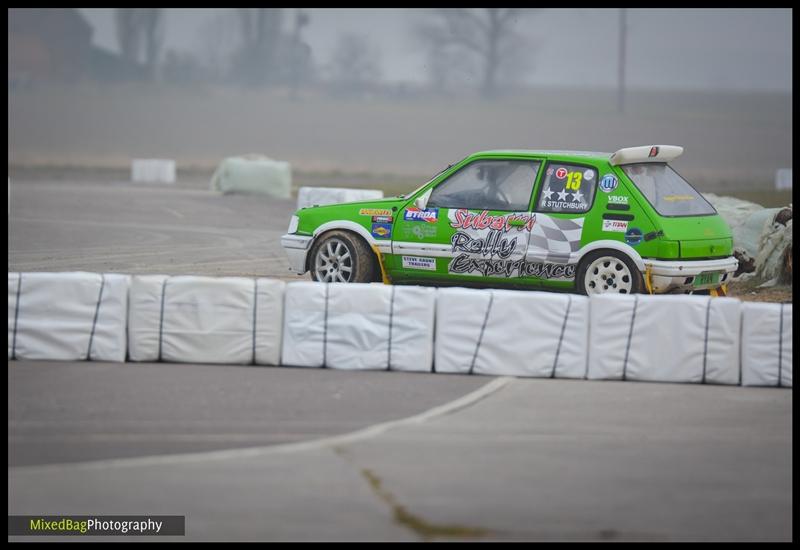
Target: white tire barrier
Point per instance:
(67, 316)
(358, 326)
(153, 170)
(766, 344)
(228, 320)
(511, 333)
(664, 338)
(319, 196)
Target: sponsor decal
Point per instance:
(381, 219)
(616, 226)
(618, 199)
(677, 198)
(414, 214)
(549, 171)
(653, 152)
(419, 231)
(464, 264)
(382, 230)
(633, 236)
(561, 173)
(415, 262)
(563, 205)
(588, 175)
(374, 212)
(608, 183)
(464, 219)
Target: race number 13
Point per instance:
(574, 181)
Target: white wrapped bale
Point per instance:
(319, 196)
(460, 314)
(144, 317)
(68, 316)
(269, 321)
(664, 338)
(227, 320)
(359, 326)
(411, 333)
(766, 344)
(153, 170)
(13, 295)
(512, 333)
(305, 324)
(253, 174)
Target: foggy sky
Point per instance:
(693, 49)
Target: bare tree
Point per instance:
(355, 65)
(487, 34)
(260, 28)
(139, 33)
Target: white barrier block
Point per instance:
(460, 313)
(512, 333)
(269, 321)
(319, 196)
(723, 344)
(358, 327)
(13, 290)
(228, 320)
(678, 338)
(304, 326)
(69, 316)
(144, 317)
(153, 170)
(412, 322)
(208, 320)
(766, 344)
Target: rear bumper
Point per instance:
(296, 247)
(678, 276)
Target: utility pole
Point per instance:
(623, 31)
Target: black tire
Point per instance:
(361, 261)
(637, 280)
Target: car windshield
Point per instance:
(404, 195)
(667, 191)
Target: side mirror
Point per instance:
(421, 202)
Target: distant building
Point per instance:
(56, 44)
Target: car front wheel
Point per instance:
(341, 257)
(607, 271)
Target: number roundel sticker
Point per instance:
(561, 173)
(608, 183)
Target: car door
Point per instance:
(565, 196)
(475, 225)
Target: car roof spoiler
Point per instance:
(646, 153)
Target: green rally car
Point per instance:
(593, 222)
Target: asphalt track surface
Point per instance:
(271, 453)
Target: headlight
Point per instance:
(293, 223)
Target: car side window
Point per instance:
(488, 185)
(567, 189)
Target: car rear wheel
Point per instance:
(341, 257)
(608, 272)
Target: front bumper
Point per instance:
(296, 247)
(678, 276)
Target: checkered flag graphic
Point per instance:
(554, 239)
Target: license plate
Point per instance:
(706, 279)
